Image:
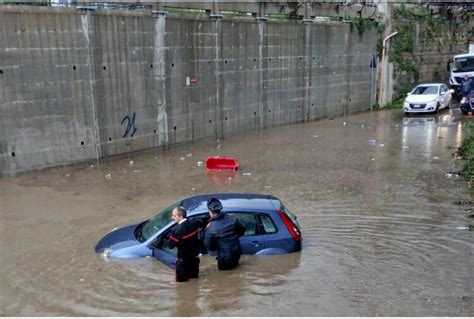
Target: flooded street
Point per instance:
(383, 222)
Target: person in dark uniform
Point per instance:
(467, 85)
(222, 235)
(185, 237)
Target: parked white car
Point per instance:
(427, 98)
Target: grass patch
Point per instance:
(395, 104)
(466, 151)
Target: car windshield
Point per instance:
(424, 90)
(465, 64)
(147, 229)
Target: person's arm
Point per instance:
(239, 228)
(174, 239)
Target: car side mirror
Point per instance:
(409, 93)
(442, 93)
(451, 91)
(449, 65)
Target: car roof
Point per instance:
(464, 55)
(230, 201)
(430, 84)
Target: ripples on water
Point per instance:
(379, 226)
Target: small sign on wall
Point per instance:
(190, 80)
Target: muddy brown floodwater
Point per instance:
(383, 223)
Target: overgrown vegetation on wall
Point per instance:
(365, 24)
(466, 151)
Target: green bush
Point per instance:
(466, 151)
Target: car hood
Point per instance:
(425, 98)
(118, 238)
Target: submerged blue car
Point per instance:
(270, 228)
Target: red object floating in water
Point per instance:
(222, 163)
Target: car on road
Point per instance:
(270, 228)
(467, 103)
(428, 98)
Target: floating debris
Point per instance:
(138, 171)
(382, 145)
(246, 174)
(199, 163)
(436, 158)
(466, 227)
(131, 163)
(182, 158)
(108, 176)
(189, 155)
(81, 280)
(464, 202)
(344, 123)
(372, 142)
(315, 136)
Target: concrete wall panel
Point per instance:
(81, 86)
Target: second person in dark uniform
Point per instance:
(222, 235)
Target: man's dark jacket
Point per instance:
(185, 237)
(222, 234)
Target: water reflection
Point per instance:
(187, 299)
(222, 177)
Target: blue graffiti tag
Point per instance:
(130, 125)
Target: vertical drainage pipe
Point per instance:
(382, 67)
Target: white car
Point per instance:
(430, 97)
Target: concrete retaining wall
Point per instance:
(77, 86)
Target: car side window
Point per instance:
(267, 224)
(249, 221)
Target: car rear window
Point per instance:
(268, 225)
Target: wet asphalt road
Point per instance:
(383, 222)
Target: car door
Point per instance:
(252, 241)
(167, 255)
(447, 95)
(162, 252)
(275, 235)
(442, 97)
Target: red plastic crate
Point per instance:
(222, 163)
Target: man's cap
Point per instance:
(214, 204)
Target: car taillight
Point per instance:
(294, 232)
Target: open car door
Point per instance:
(167, 255)
(162, 252)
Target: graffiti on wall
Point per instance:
(130, 125)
